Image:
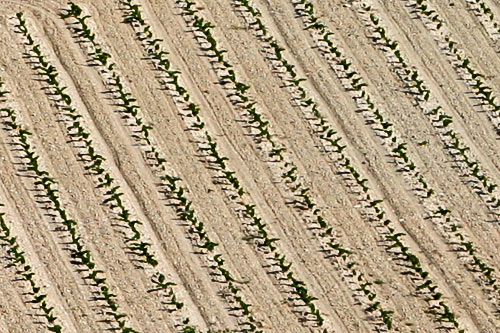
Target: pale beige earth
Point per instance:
(72, 296)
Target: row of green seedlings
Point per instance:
(49, 187)
(440, 120)
(462, 65)
(17, 256)
(219, 159)
(184, 210)
(439, 117)
(400, 151)
(26, 273)
(304, 201)
(421, 7)
(106, 182)
(94, 166)
(129, 108)
(326, 133)
(412, 80)
(278, 50)
(305, 9)
(199, 23)
(482, 9)
(460, 241)
(134, 16)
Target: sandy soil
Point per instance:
(326, 279)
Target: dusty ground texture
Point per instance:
(475, 307)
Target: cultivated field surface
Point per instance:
(250, 166)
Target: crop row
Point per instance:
(458, 240)
(240, 97)
(26, 273)
(356, 85)
(352, 82)
(15, 253)
(49, 184)
(94, 165)
(255, 227)
(106, 182)
(443, 123)
(484, 93)
(177, 193)
(462, 63)
(289, 171)
(295, 81)
(481, 9)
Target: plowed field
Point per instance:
(246, 166)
